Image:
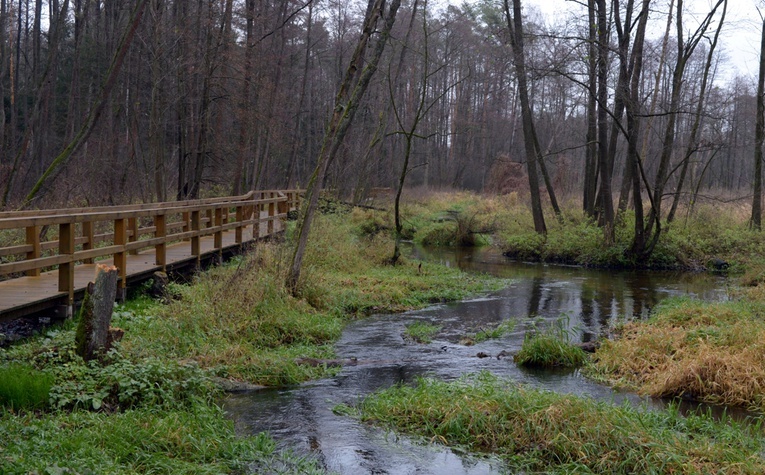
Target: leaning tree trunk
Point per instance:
(347, 101)
(92, 334)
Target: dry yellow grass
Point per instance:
(706, 352)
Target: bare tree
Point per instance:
(515, 27)
(759, 130)
(352, 89)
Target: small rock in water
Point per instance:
(589, 346)
(481, 354)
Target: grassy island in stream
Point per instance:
(537, 431)
(149, 405)
(711, 352)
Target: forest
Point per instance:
(112, 102)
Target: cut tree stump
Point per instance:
(92, 337)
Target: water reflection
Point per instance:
(592, 301)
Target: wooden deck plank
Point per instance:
(29, 292)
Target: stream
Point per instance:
(587, 302)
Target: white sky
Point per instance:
(740, 39)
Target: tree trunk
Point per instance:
(515, 27)
(82, 136)
(759, 129)
(591, 168)
(692, 146)
(606, 199)
(347, 102)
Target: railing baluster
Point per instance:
(87, 233)
(271, 214)
(66, 270)
(33, 238)
(160, 250)
(196, 249)
(218, 237)
(238, 230)
(256, 222)
(133, 227)
(120, 258)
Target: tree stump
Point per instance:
(92, 335)
(159, 285)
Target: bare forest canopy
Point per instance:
(117, 101)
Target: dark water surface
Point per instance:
(585, 301)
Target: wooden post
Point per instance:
(256, 222)
(218, 236)
(283, 208)
(133, 234)
(160, 250)
(120, 258)
(33, 239)
(238, 230)
(87, 233)
(186, 220)
(196, 249)
(66, 270)
(271, 214)
(210, 218)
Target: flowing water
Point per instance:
(588, 303)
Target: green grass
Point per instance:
(690, 242)
(24, 388)
(550, 348)
(195, 441)
(238, 321)
(421, 332)
(537, 431)
(493, 332)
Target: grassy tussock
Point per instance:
(421, 332)
(543, 432)
(550, 349)
(709, 352)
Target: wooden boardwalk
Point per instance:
(44, 292)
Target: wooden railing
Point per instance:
(88, 234)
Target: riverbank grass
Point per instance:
(537, 431)
(697, 239)
(239, 321)
(708, 352)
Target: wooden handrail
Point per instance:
(171, 222)
(134, 207)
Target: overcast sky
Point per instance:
(740, 40)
